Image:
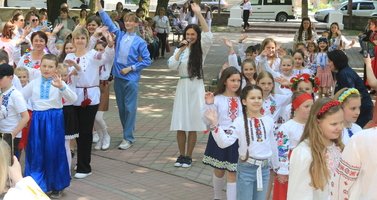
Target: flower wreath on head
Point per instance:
(347, 93)
(306, 78)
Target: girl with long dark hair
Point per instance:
(188, 60)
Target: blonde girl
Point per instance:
(318, 153)
(268, 48)
(351, 101)
(287, 137)
(227, 103)
(257, 144)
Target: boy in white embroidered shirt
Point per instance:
(15, 116)
(46, 160)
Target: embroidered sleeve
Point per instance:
(282, 140)
(347, 172)
(225, 138)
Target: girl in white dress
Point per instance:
(227, 103)
(257, 145)
(273, 60)
(288, 136)
(351, 102)
(188, 60)
(318, 153)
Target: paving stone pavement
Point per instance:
(146, 171)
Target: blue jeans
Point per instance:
(126, 97)
(247, 181)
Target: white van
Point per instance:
(278, 10)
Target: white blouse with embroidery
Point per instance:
(356, 175)
(299, 184)
(262, 141)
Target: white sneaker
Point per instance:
(82, 175)
(106, 142)
(95, 137)
(124, 145)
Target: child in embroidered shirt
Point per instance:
(257, 144)
(312, 54)
(15, 116)
(351, 102)
(287, 137)
(299, 63)
(227, 103)
(273, 104)
(46, 159)
(317, 155)
(87, 64)
(323, 70)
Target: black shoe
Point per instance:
(180, 161)
(187, 162)
(56, 194)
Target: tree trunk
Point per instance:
(92, 7)
(53, 9)
(349, 8)
(5, 3)
(145, 5)
(162, 4)
(304, 8)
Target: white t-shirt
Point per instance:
(16, 105)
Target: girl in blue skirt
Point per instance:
(46, 159)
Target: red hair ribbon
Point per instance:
(327, 107)
(300, 99)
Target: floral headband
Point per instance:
(327, 107)
(306, 78)
(347, 93)
(322, 39)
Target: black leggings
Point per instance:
(162, 43)
(246, 15)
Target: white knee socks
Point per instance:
(218, 186)
(231, 191)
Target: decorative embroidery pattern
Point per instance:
(6, 100)
(232, 108)
(28, 61)
(258, 126)
(45, 88)
(282, 142)
(347, 170)
(271, 107)
(232, 167)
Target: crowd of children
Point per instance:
(289, 133)
(273, 126)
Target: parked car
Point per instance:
(279, 11)
(359, 8)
